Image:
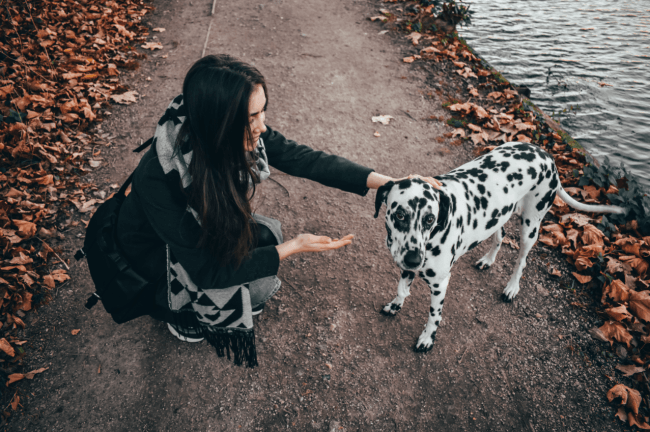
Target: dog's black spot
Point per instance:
(475, 223)
(405, 184)
(488, 162)
(527, 156)
(503, 232)
(491, 223)
(427, 194)
(481, 189)
(436, 293)
(473, 245)
(431, 310)
(553, 183)
(459, 222)
(437, 322)
(505, 210)
(444, 236)
(393, 205)
(477, 202)
(395, 307)
(514, 176)
(532, 173)
(435, 251)
(532, 234)
(408, 275)
(426, 186)
(484, 203)
(453, 252)
(442, 301)
(546, 201)
(465, 186)
(436, 285)
(428, 246)
(431, 273)
(505, 189)
(504, 166)
(413, 203)
(527, 222)
(548, 174)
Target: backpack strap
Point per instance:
(144, 145)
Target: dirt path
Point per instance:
(526, 366)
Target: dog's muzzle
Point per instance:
(413, 259)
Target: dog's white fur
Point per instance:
(428, 230)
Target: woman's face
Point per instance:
(256, 116)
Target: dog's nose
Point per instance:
(412, 259)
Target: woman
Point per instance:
(188, 220)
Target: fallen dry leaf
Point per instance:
(377, 134)
(629, 397)
(152, 46)
(629, 370)
(583, 279)
(639, 304)
(616, 331)
(383, 119)
(125, 98)
(618, 313)
(75, 332)
(617, 291)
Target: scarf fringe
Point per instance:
(241, 343)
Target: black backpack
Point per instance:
(117, 285)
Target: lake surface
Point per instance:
(592, 55)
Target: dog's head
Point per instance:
(415, 211)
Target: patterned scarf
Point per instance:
(224, 315)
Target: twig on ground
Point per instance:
(55, 254)
(207, 37)
(409, 115)
(463, 356)
(214, 3)
(281, 185)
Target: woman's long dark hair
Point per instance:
(216, 91)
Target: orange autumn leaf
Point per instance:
(617, 291)
(7, 348)
(616, 331)
(640, 265)
(583, 279)
(629, 397)
(14, 377)
(618, 313)
(583, 263)
(639, 304)
(638, 420)
(592, 235)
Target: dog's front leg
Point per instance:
(438, 290)
(403, 291)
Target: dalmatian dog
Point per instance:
(429, 230)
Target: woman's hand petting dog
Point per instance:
(311, 243)
(437, 184)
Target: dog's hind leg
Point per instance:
(403, 291)
(428, 336)
(529, 231)
(485, 262)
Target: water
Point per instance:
(588, 54)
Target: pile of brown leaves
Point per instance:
(616, 265)
(59, 69)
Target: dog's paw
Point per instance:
(390, 309)
(509, 293)
(482, 264)
(425, 343)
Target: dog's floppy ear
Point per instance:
(443, 213)
(382, 194)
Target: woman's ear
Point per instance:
(382, 194)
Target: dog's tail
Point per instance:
(589, 207)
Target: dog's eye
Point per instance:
(399, 215)
(429, 219)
